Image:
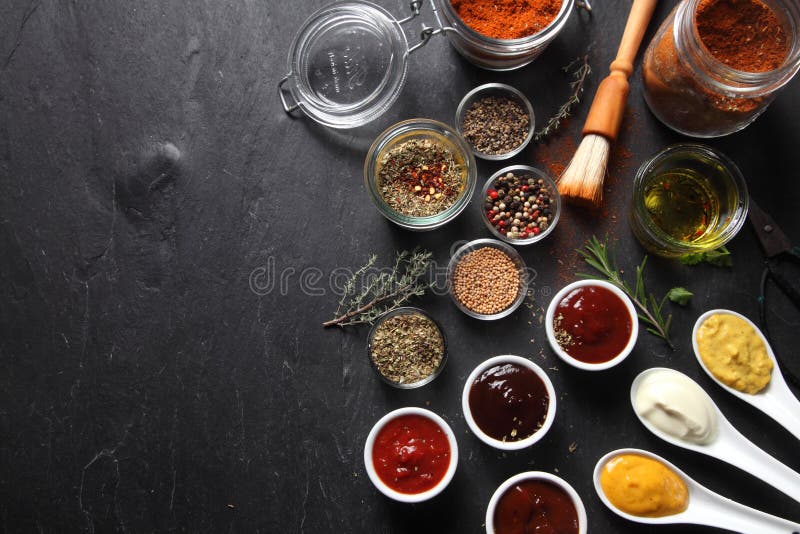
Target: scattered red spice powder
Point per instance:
(507, 19)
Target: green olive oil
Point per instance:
(683, 204)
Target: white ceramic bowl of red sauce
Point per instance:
(488, 416)
(558, 502)
(602, 310)
(411, 454)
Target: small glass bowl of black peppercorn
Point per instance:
(520, 204)
(496, 120)
(407, 348)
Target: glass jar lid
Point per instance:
(347, 64)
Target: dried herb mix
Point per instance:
(407, 348)
(420, 178)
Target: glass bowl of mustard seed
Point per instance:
(520, 204)
(487, 279)
(420, 174)
(407, 348)
(496, 120)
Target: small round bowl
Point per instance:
(420, 129)
(496, 90)
(536, 475)
(509, 445)
(410, 497)
(406, 310)
(555, 204)
(522, 269)
(551, 337)
(724, 178)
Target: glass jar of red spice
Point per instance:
(715, 65)
(497, 53)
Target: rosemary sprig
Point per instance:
(367, 294)
(596, 254)
(579, 73)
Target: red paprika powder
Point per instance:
(507, 19)
(744, 34)
(688, 81)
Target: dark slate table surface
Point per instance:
(147, 173)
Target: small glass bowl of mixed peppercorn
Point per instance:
(420, 174)
(520, 204)
(407, 348)
(496, 120)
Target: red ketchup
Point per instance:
(535, 506)
(411, 454)
(592, 324)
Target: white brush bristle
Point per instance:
(582, 180)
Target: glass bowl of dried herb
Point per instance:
(420, 174)
(520, 204)
(487, 279)
(407, 348)
(496, 120)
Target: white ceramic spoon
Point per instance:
(705, 507)
(775, 400)
(728, 445)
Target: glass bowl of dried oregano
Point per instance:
(407, 348)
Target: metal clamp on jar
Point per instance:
(348, 62)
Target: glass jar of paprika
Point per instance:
(715, 65)
(499, 53)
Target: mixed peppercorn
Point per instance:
(519, 207)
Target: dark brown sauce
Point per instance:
(508, 402)
(592, 324)
(535, 506)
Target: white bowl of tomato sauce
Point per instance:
(591, 325)
(411, 454)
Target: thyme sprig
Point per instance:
(368, 294)
(579, 74)
(596, 254)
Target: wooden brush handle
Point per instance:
(608, 105)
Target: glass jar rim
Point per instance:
(721, 77)
(556, 202)
(730, 169)
(407, 310)
(513, 255)
(492, 89)
(421, 125)
(534, 39)
(307, 39)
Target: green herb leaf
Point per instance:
(680, 296)
(596, 255)
(720, 257)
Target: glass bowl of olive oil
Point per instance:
(688, 198)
